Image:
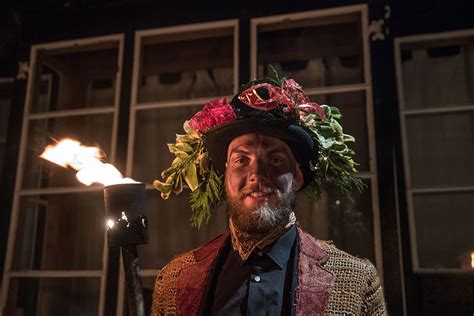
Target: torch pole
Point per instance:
(127, 227)
(136, 304)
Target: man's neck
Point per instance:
(245, 243)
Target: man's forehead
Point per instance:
(252, 140)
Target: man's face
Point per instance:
(261, 181)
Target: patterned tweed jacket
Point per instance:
(330, 281)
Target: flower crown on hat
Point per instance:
(333, 164)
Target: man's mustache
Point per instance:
(261, 188)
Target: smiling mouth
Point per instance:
(263, 192)
(258, 194)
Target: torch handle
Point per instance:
(136, 304)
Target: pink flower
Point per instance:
(290, 94)
(294, 92)
(300, 101)
(214, 113)
(254, 100)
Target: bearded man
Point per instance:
(268, 143)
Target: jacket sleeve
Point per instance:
(157, 307)
(164, 294)
(374, 302)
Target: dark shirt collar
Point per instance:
(280, 251)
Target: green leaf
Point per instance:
(348, 138)
(335, 112)
(335, 124)
(191, 177)
(203, 162)
(168, 172)
(164, 188)
(183, 147)
(182, 138)
(187, 128)
(182, 155)
(178, 185)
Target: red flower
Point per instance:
(214, 113)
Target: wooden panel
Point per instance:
(303, 44)
(187, 56)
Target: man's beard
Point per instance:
(264, 217)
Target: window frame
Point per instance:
(28, 116)
(404, 113)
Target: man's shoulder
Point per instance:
(166, 285)
(357, 278)
(342, 262)
(336, 254)
(338, 260)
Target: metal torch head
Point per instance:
(125, 214)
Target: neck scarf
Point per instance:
(245, 243)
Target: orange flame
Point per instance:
(472, 259)
(86, 160)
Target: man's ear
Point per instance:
(299, 177)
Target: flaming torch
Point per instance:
(125, 211)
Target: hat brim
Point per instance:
(217, 140)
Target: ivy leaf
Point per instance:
(335, 124)
(335, 113)
(348, 138)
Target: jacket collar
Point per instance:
(211, 248)
(192, 280)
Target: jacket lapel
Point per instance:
(191, 282)
(315, 283)
(313, 290)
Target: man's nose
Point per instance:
(258, 171)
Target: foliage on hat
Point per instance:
(333, 165)
(192, 164)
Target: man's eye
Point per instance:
(240, 161)
(275, 160)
